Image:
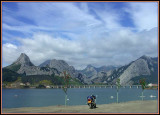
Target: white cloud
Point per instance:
(10, 53)
(119, 47)
(10, 46)
(144, 14)
(76, 36)
(64, 16)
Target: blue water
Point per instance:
(14, 98)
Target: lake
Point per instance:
(14, 98)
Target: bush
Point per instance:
(40, 86)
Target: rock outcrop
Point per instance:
(144, 66)
(23, 65)
(139, 67)
(60, 65)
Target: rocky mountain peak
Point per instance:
(45, 63)
(89, 66)
(145, 57)
(106, 68)
(24, 60)
(58, 63)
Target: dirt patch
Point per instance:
(150, 106)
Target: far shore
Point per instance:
(146, 106)
(147, 88)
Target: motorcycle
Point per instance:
(91, 101)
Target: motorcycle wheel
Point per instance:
(91, 107)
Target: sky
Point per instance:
(81, 33)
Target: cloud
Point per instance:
(80, 34)
(145, 15)
(62, 16)
(118, 48)
(10, 53)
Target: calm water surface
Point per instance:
(14, 98)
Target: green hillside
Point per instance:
(54, 80)
(14, 67)
(9, 75)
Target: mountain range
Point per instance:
(144, 67)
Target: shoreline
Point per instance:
(146, 106)
(148, 88)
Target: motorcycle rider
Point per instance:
(93, 100)
(94, 97)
